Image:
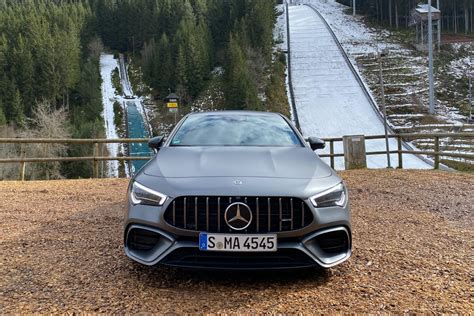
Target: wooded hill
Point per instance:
(44, 51)
(49, 54)
(457, 15)
(180, 42)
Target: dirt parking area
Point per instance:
(61, 251)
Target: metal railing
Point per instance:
(96, 158)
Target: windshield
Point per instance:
(236, 130)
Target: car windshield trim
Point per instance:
(226, 145)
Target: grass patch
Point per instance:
(459, 166)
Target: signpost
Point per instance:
(172, 103)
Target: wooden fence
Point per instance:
(96, 158)
(400, 151)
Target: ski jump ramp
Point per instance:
(329, 97)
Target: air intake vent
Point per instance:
(142, 239)
(333, 243)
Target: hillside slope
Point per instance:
(329, 100)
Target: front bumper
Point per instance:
(326, 242)
(324, 248)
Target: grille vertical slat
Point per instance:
(196, 213)
(207, 214)
(269, 214)
(258, 214)
(219, 214)
(292, 213)
(184, 213)
(281, 214)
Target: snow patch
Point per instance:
(107, 66)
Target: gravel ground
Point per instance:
(61, 251)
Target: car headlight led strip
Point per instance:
(141, 194)
(335, 196)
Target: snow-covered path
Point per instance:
(329, 100)
(107, 65)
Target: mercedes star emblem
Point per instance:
(238, 216)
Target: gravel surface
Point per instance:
(61, 251)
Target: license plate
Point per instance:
(240, 243)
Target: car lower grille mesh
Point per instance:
(333, 242)
(269, 214)
(142, 239)
(193, 258)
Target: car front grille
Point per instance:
(269, 214)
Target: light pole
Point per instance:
(470, 118)
(353, 7)
(439, 27)
(384, 109)
(430, 57)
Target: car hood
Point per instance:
(267, 162)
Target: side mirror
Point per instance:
(156, 142)
(316, 143)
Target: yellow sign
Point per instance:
(172, 105)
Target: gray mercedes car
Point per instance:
(237, 190)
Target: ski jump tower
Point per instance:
(420, 21)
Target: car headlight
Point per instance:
(140, 194)
(335, 196)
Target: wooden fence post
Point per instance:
(22, 164)
(331, 151)
(355, 156)
(96, 162)
(400, 154)
(436, 144)
(102, 161)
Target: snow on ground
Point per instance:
(461, 68)
(405, 71)
(329, 100)
(354, 35)
(107, 65)
(279, 33)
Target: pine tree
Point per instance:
(181, 64)
(166, 69)
(23, 72)
(240, 93)
(15, 109)
(3, 119)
